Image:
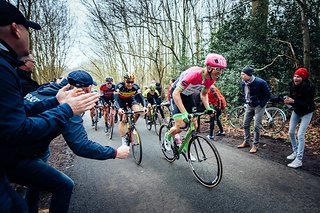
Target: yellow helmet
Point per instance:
(128, 76)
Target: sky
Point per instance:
(76, 56)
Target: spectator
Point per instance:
(74, 132)
(256, 93)
(219, 103)
(301, 98)
(21, 135)
(25, 72)
(169, 89)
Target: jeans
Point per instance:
(39, 175)
(217, 118)
(33, 194)
(10, 200)
(298, 148)
(256, 112)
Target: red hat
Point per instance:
(302, 72)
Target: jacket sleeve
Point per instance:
(265, 94)
(34, 108)
(15, 126)
(77, 139)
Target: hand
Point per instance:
(123, 152)
(288, 100)
(82, 103)
(209, 110)
(64, 93)
(121, 111)
(185, 117)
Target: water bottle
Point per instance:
(177, 138)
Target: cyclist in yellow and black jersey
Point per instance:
(153, 97)
(127, 92)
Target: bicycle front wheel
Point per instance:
(96, 117)
(156, 123)
(111, 124)
(205, 161)
(136, 146)
(148, 122)
(166, 148)
(273, 120)
(236, 117)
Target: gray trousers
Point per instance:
(256, 112)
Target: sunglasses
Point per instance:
(129, 82)
(210, 69)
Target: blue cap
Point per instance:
(248, 70)
(80, 78)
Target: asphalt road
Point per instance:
(249, 183)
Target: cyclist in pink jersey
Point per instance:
(191, 82)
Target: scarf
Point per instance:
(247, 90)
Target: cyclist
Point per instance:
(107, 96)
(191, 82)
(127, 93)
(153, 97)
(92, 111)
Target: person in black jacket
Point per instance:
(29, 124)
(301, 98)
(25, 72)
(256, 93)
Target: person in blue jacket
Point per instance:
(24, 127)
(74, 132)
(256, 93)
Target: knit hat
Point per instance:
(248, 70)
(302, 72)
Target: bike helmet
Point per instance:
(128, 76)
(109, 79)
(152, 87)
(215, 60)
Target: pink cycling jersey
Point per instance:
(192, 81)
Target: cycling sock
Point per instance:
(168, 136)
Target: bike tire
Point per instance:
(236, 117)
(96, 120)
(148, 122)
(156, 126)
(136, 146)
(207, 165)
(168, 154)
(277, 121)
(111, 125)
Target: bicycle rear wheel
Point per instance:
(205, 161)
(168, 153)
(236, 117)
(273, 120)
(136, 146)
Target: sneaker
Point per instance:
(295, 164)
(210, 137)
(167, 141)
(124, 141)
(220, 133)
(292, 156)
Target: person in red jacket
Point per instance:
(217, 100)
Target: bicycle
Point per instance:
(202, 156)
(111, 117)
(273, 120)
(153, 118)
(133, 136)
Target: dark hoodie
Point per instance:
(74, 132)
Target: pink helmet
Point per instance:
(215, 60)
